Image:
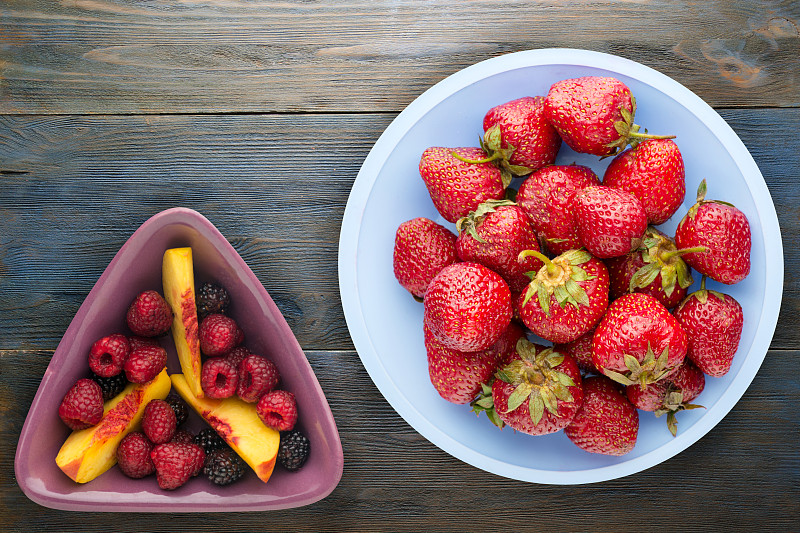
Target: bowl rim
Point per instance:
(380, 152)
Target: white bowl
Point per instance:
(386, 323)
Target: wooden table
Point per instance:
(259, 114)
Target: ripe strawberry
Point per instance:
(467, 307)
(566, 297)
(278, 410)
(655, 268)
(159, 421)
(457, 376)
(520, 127)
(653, 172)
(638, 341)
(670, 395)
(714, 323)
(494, 235)
(421, 249)
(607, 423)
(538, 391)
(176, 463)
(149, 315)
(724, 230)
(593, 114)
(547, 197)
(610, 222)
(82, 405)
(457, 186)
(581, 350)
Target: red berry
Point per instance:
(107, 355)
(133, 455)
(145, 363)
(219, 378)
(159, 421)
(137, 341)
(278, 410)
(182, 435)
(219, 334)
(176, 463)
(421, 249)
(82, 406)
(257, 376)
(237, 355)
(581, 350)
(149, 315)
(610, 222)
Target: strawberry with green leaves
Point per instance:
(607, 423)
(538, 391)
(519, 126)
(638, 341)
(494, 235)
(460, 179)
(655, 268)
(566, 297)
(457, 376)
(652, 171)
(421, 249)
(594, 114)
(668, 396)
(714, 323)
(610, 222)
(467, 306)
(547, 196)
(721, 228)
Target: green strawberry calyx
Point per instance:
(559, 278)
(536, 380)
(702, 294)
(662, 257)
(629, 133)
(472, 221)
(642, 373)
(673, 402)
(702, 189)
(484, 403)
(492, 144)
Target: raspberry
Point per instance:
(179, 406)
(111, 386)
(159, 421)
(257, 376)
(137, 342)
(218, 335)
(209, 440)
(219, 378)
(182, 435)
(133, 455)
(82, 406)
(176, 463)
(145, 363)
(237, 355)
(107, 355)
(223, 466)
(293, 450)
(212, 298)
(278, 410)
(149, 315)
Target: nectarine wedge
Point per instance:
(237, 422)
(177, 273)
(89, 452)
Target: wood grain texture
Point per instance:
(276, 187)
(191, 56)
(744, 475)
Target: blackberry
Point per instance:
(209, 440)
(179, 406)
(110, 386)
(293, 450)
(223, 466)
(212, 298)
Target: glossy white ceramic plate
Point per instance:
(386, 323)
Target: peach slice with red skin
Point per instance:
(177, 273)
(237, 422)
(89, 452)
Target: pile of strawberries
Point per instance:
(576, 263)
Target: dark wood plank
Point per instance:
(124, 56)
(744, 475)
(275, 186)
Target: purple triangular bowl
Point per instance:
(137, 267)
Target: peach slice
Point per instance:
(237, 422)
(89, 452)
(177, 273)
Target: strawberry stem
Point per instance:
(552, 269)
(489, 159)
(666, 256)
(646, 135)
